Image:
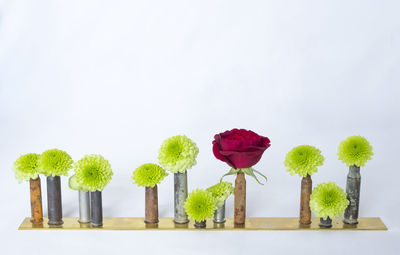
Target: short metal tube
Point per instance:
(180, 195)
(96, 208)
(305, 211)
(84, 207)
(325, 223)
(54, 204)
(219, 215)
(240, 199)
(151, 205)
(36, 200)
(200, 224)
(353, 195)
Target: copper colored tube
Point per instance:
(36, 200)
(151, 204)
(240, 199)
(305, 211)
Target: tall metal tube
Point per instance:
(180, 195)
(353, 195)
(96, 208)
(219, 215)
(151, 205)
(54, 204)
(36, 200)
(84, 207)
(240, 199)
(305, 211)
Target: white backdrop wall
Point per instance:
(118, 77)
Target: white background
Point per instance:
(118, 77)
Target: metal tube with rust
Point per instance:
(84, 207)
(219, 215)
(240, 199)
(180, 195)
(36, 200)
(151, 205)
(305, 211)
(96, 206)
(54, 204)
(353, 195)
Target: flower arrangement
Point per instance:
(84, 199)
(199, 206)
(355, 150)
(328, 200)
(148, 176)
(26, 168)
(55, 162)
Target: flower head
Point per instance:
(328, 200)
(200, 205)
(26, 167)
(93, 172)
(221, 191)
(303, 160)
(148, 175)
(178, 153)
(55, 162)
(355, 150)
(75, 185)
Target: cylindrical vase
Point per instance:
(151, 205)
(325, 223)
(305, 211)
(240, 199)
(353, 195)
(219, 215)
(180, 195)
(96, 206)
(36, 200)
(54, 204)
(84, 207)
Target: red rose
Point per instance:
(240, 148)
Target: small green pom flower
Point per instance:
(75, 185)
(200, 205)
(303, 160)
(55, 162)
(148, 175)
(328, 200)
(26, 167)
(178, 153)
(93, 172)
(355, 150)
(221, 191)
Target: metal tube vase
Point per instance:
(240, 199)
(84, 207)
(151, 205)
(54, 204)
(305, 211)
(96, 208)
(325, 223)
(36, 200)
(353, 195)
(180, 195)
(219, 215)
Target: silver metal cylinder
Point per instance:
(353, 195)
(84, 207)
(219, 215)
(180, 195)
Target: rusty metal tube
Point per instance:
(353, 195)
(36, 200)
(151, 205)
(305, 211)
(54, 204)
(180, 195)
(96, 206)
(84, 207)
(240, 199)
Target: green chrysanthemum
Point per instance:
(178, 153)
(75, 185)
(200, 205)
(93, 172)
(221, 191)
(26, 167)
(55, 162)
(303, 160)
(148, 175)
(328, 200)
(355, 150)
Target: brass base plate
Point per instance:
(168, 224)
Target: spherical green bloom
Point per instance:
(26, 167)
(93, 172)
(75, 185)
(328, 200)
(355, 150)
(303, 160)
(221, 191)
(55, 162)
(178, 153)
(148, 175)
(200, 205)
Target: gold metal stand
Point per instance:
(168, 224)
